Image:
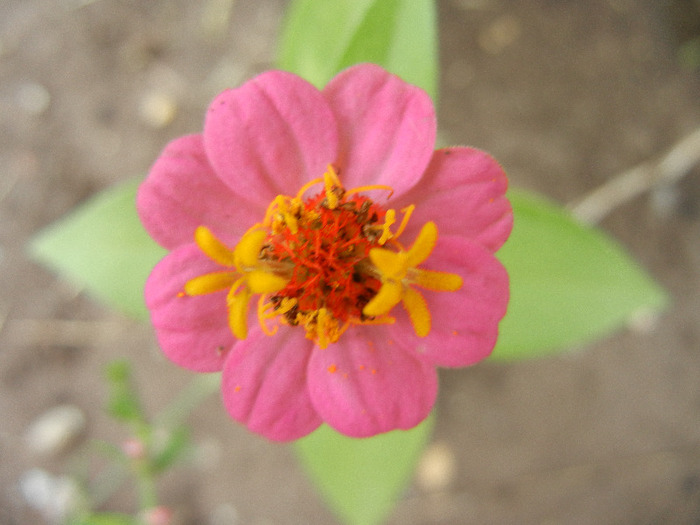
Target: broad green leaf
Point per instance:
(362, 478)
(320, 38)
(570, 283)
(102, 247)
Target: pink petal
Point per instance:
(366, 384)
(271, 135)
(192, 331)
(387, 128)
(182, 192)
(463, 192)
(264, 385)
(465, 322)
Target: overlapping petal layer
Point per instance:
(463, 191)
(270, 135)
(264, 385)
(182, 192)
(387, 128)
(189, 329)
(465, 322)
(365, 386)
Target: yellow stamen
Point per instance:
(306, 186)
(285, 209)
(389, 220)
(263, 316)
(407, 212)
(331, 182)
(371, 187)
(322, 329)
(286, 305)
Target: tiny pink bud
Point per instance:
(158, 516)
(134, 448)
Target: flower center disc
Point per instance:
(322, 245)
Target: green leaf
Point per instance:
(320, 38)
(362, 478)
(177, 445)
(102, 247)
(570, 283)
(124, 403)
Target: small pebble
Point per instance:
(643, 321)
(54, 497)
(157, 110)
(437, 468)
(55, 430)
(501, 33)
(33, 98)
(224, 514)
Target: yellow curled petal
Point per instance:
(418, 312)
(238, 312)
(248, 249)
(387, 297)
(436, 281)
(391, 265)
(423, 245)
(259, 281)
(210, 283)
(213, 247)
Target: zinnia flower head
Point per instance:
(323, 256)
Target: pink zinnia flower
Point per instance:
(298, 221)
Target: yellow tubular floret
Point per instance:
(213, 247)
(407, 212)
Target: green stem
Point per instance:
(146, 485)
(199, 389)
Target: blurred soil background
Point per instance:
(565, 93)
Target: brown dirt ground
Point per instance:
(564, 93)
